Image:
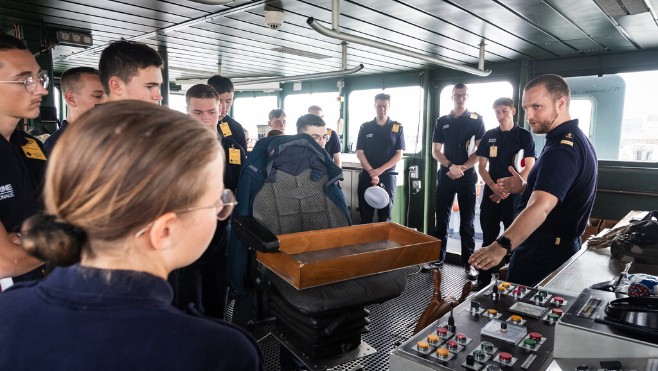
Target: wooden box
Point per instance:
(315, 258)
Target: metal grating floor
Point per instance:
(392, 321)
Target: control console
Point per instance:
(505, 326)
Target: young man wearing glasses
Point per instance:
(22, 87)
(333, 145)
(455, 139)
(314, 126)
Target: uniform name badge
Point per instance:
(226, 130)
(32, 150)
(493, 151)
(234, 156)
(396, 128)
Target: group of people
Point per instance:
(120, 198)
(129, 195)
(544, 205)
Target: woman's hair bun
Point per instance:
(52, 240)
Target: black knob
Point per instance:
(470, 360)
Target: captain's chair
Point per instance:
(290, 184)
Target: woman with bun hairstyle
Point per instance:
(132, 192)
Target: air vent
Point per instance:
(301, 53)
(618, 8)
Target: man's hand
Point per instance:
(512, 184)
(375, 172)
(495, 199)
(374, 180)
(500, 191)
(455, 171)
(487, 257)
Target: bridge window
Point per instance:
(480, 98)
(252, 113)
(297, 105)
(406, 108)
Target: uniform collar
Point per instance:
(85, 286)
(566, 127)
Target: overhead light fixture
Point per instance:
(74, 38)
(311, 76)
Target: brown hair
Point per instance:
(555, 84)
(121, 166)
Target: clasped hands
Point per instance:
(506, 186)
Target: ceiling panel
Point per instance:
(450, 30)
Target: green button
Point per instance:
(487, 346)
(530, 343)
(542, 293)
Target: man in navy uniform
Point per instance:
(499, 148)
(333, 145)
(82, 90)
(22, 87)
(558, 198)
(379, 147)
(227, 126)
(456, 137)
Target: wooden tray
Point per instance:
(315, 258)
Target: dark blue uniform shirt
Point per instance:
(81, 318)
(500, 147)
(22, 170)
(455, 134)
(228, 127)
(567, 168)
(49, 144)
(333, 145)
(379, 143)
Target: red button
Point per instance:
(516, 292)
(535, 336)
(558, 299)
(442, 330)
(452, 344)
(557, 311)
(505, 357)
(522, 288)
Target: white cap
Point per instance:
(376, 197)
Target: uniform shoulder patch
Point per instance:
(396, 127)
(474, 116)
(567, 139)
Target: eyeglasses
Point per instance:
(460, 96)
(318, 138)
(30, 82)
(224, 209)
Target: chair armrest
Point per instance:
(254, 234)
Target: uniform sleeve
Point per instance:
(239, 134)
(360, 140)
(437, 136)
(480, 130)
(558, 169)
(483, 148)
(528, 144)
(400, 145)
(334, 146)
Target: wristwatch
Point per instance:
(505, 243)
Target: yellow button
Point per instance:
(422, 345)
(516, 318)
(505, 285)
(442, 352)
(432, 338)
(492, 311)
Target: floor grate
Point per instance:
(392, 321)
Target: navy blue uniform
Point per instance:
(228, 127)
(455, 134)
(500, 147)
(81, 318)
(333, 145)
(49, 144)
(567, 168)
(22, 170)
(379, 144)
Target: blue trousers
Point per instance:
(491, 214)
(366, 211)
(538, 256)
(446, 189)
